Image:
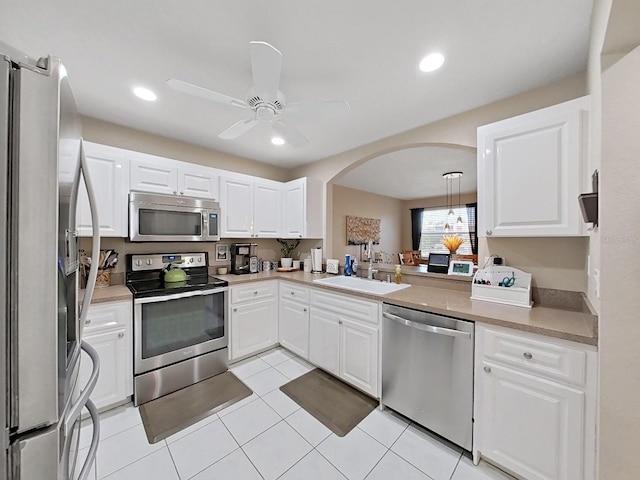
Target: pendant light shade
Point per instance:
(448, 178)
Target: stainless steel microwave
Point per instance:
(154, 217)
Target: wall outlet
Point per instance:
(491, 261)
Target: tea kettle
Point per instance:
(173, 273)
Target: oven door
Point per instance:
(166, 223)
(172, 328)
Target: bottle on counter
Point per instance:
(354, 267)
(347, 265)
(398, 274)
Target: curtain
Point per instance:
(416, 227)
(473, 226)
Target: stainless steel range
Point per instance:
(180, 328)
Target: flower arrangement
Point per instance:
(452, 242)
(286, 247)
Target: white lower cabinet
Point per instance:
(293, 319)
(344, 338)
(253, 318)
(324, 340)
(359, 355)
(534, 404)
(108, 329)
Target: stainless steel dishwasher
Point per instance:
(427, 371)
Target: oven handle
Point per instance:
(176, 296)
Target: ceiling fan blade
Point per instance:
(319, 109)
(205, 93)
(238, 128)
(290, 134)
(266, 63)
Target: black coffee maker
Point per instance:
(244, 258)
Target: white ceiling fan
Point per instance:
(266, 102)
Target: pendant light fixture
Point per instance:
(459, 221)
(448, 178)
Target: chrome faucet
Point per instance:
(371, 271)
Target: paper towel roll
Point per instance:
(316, 260)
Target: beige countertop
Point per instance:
(114, 293)
(565, 324)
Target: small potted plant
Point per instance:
(287, 249)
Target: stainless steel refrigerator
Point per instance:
(41, 158)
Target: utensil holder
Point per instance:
(104, 278)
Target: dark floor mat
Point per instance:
(178, 410)
(337, 405)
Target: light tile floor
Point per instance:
(267, 436)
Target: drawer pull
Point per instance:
(87, 322)
(304, 309)
(121, 334)
(340, 322)
(487, 369)
(255, 293)
(292, 292)
(235, 309)
(528, 356)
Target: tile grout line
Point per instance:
(242, 450)
(174, 462)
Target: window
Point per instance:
(433, 222)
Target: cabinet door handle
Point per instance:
(255, 293)
(87, 322)
(487, 369)
(489, 232)
(340, 322)
(292, 293)
(527, 355)
(175, 192)
(235, 309)
(304, 309)
(121, 334)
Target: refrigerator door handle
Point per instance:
(95, 245)
(83, 399)
(95, 439)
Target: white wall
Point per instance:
(619, 336)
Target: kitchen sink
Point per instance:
(362, 285)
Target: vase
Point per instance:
(286, 262)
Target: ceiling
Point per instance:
(362, 51)
(414, 173)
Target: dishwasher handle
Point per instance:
(427, 328)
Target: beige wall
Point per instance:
(430, 202)
(106, 133)
(268, 249)
(461, 130)
(347, 201)
(619, 339)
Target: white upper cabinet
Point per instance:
(109, 170)
(197, 181)
(153, 174)
(150, 173)
(250, 207)
(302, 211)
(531, 171)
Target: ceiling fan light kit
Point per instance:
(266, 102)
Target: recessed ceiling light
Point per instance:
(277, 141)
(144, 94)
(432, 62)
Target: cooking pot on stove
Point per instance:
(173, 273)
